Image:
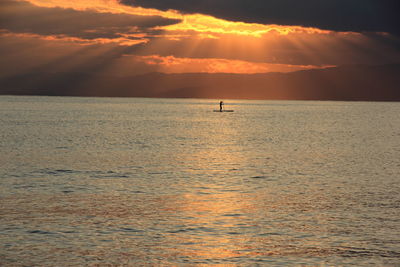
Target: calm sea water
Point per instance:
(97, 181)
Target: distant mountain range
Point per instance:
(355, 82)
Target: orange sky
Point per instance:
(143, 40)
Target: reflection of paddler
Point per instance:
(221, 103)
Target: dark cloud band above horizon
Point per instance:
(337, 15)
(24, 17)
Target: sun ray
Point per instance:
(204, 25)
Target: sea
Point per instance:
(169, 182)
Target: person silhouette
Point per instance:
(221, 103)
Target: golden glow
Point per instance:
(171, 64)
(203, 24)
(120, 41)
(211, 25)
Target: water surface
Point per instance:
(86, 181)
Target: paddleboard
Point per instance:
(226, 110)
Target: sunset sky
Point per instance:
(131, 37)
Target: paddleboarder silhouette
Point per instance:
(221, 103)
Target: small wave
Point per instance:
(40, 232)
(204, 193)
(89, 173)
(138, 192)
(66, 171)
(68, 232)
(259, 177)
(363, 252)
(232, 215)
(55, 172)
(263, 177)
(110, 174)
(192, 229)
(271, 233)
(233, 233)
(131, 230)
(178, 231)
(23, 186)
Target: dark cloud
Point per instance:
(23, 17)
(338, 15)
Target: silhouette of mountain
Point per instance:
(355, 82)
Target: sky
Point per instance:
(130, 37)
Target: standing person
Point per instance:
(221, 103)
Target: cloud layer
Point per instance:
(337, 15)
(23, 17)
(105, 36)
